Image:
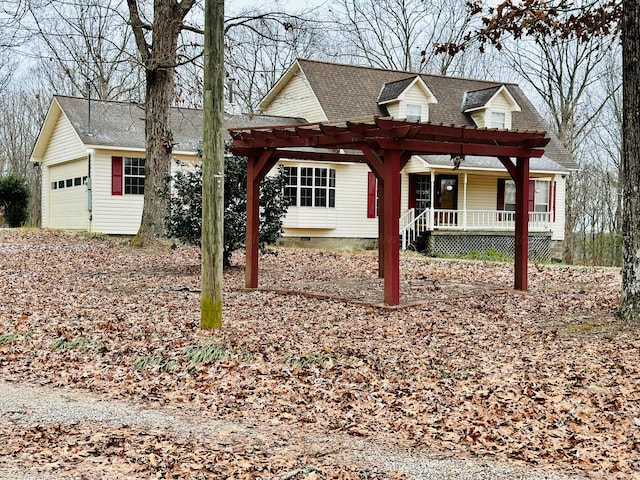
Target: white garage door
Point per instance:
(67, 192)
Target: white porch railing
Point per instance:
(412, 226)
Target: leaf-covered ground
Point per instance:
(467, 367)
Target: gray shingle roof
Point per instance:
(350, 91)
(544, 164)
(121, 124)
(478, 98)
(392, 90)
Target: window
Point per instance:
(77, 181)
(54, 185)
(134, 176)
(510, 196)
(414, 113)
(498, 120)
(538, 196)
(541, 196)
(291, 185)
(310, 187)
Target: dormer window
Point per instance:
(408, 99)
(414, 113)
(491, 107)
(498, 120)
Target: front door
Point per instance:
(447, 200)
(447, 192)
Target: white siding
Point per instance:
(500, 103)
(479, 118)
(394, 110)
(113, 214)
(482, 192)
(557, 230)
(64, 146)
(296, 99)
(67, 205)
(415, 96)
(118, 214)
(347, 219)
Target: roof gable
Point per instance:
(395, 91)
(46, 132)
(479, 99)
(295, 70)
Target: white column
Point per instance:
(432, 199)
(464, 203)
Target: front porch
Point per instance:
(413, 225)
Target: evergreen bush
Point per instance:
(185, 206)
(14, 200)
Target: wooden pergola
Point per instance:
(385, 145)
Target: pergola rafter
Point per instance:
(385, 145)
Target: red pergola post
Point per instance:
(381, 230)
(258, 165)
(522, 224)
(391, 234)
(252, 243)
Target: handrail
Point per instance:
(411, 225)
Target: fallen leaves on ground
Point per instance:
(469, 367)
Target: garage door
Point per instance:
(67, 191)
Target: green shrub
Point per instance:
(185, 215)
(14, 200)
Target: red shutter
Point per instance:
(116, 175)
(531, 204)
(371, 195)
(552, 200)
(501, 182)
(500, 202)
(413, 187)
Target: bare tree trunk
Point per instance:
(159, 143)
(630, 301)
(160, 59)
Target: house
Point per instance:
(453, 204)
(92, 156)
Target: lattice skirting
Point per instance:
(454, 244)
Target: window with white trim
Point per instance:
(540, 199)
(414, 112)
(310, 186)
(498, 120)
(134, 175)
(542, 196)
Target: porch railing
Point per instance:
(411, 226)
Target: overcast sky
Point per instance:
(232, 6)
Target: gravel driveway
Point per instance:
(28, 405)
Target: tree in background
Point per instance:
(22, 112)
(400, 34)
(185, 211)
(258, 52)
(564, 74)
(583, 20)
(86, 49)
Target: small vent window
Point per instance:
(414, 113)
